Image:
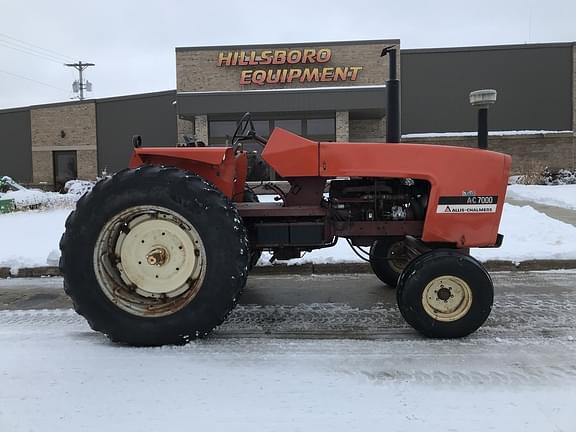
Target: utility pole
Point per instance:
(80, 85)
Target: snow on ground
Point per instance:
(529, 234)
(58, 375)
(341, 368)
(559, 196)
(30, 239)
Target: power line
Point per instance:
(33, 80)
(36, 47)
(32, 53)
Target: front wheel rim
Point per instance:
(149, 261)
(447, 298)
(397, 258)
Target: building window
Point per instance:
(321, 129)
(290, 125)
(220, 134)
(262, 127)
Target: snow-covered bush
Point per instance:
(560, 177)
(546, 176)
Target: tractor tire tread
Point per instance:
(442, 262)
(185, 191)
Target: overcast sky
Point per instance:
(132, 41)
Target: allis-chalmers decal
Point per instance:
(467, 204)
(295, 65)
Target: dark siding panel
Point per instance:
(348, 99)
(153, 117)
(16, 146)
(534, 89)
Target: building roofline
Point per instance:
(14, 110)
(137, 96)
(86, 101)
(289, 44)
(488, 47)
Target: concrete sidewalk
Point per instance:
(559, 213)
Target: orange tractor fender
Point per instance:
(217, 165)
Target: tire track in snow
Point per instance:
(542, 375)
(511, 318)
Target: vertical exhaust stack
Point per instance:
(483, 99)
(392, 96)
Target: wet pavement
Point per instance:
(351, 306)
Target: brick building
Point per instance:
(327, 91)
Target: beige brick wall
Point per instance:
(185, 127)
(372, 130)
(530, 153)
(201, 128)
(87, 164)
(42, 167)
(63, 127)
(342, 126)
(198, 70)
(77, 121)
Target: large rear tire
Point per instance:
(445, 294)
(154, 256)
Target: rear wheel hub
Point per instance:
(149, 261)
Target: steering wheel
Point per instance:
(244, 130)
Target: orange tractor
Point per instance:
(159, 253)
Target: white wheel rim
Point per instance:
(149, 261)
(447, 298)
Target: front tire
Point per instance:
(154, 256)
(388, 257)
(445, 294)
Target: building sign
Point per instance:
(280, 66)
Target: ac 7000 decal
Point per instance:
(467, 204)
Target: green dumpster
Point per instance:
(6, 205)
